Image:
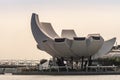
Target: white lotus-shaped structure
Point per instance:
(69, 44)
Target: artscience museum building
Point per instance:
(68, 46)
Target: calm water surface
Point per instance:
(45, 77)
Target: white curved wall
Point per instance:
(37, 33)
(40, 36)
(106, 47)
(49, 48)
(94, 45)
(68, 34)
(79, 47)
(64, 48)
(48, 30)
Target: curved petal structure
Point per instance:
(68, 34)
(106, 47)
(94, 43)
(49, 48)
(69, 46)
(62, 45)
(47, 28)
(79, 46)
(37, 32)
(41, 36)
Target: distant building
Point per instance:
(68, 46)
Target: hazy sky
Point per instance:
(84, 16)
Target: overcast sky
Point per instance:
(84, 16)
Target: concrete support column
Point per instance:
(90, 61)
(82, 62)
(71, 62)
(54, 61)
